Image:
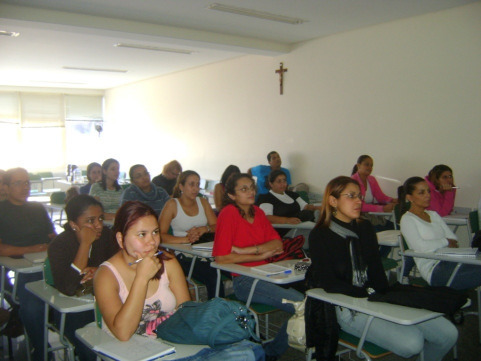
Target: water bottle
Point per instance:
(77, 176)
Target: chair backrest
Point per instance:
(58, 197)
(47, 273)
(304, 195)
(45, 174)
(397, 211)
(98, 315)
(474, 221)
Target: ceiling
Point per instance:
(59, 34)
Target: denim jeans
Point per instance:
(468, 275)
(31, 313)
(269, 294)
(203, 272)
(436, 337)
(241, 351)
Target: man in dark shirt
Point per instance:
(25, 228)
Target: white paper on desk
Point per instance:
(271, 269)
(138, 348)
(207, 246)
(458, 252)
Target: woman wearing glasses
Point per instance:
(282, 206)
(345, 260)
(143, 190)
(443, 191)
(245, 236)
(190, 217)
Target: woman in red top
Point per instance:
(244, 235)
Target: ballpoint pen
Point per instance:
(140, 259)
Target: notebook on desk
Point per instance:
(270, 269)
(458, 252)
(37, 257)
(138, 348)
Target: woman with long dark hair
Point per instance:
(244, 235)
(426, 231)
(441, 183)
(190, 218)
(75, 255)
(108, 190)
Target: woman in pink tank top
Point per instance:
(137, 289)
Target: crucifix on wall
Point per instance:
(281, 72)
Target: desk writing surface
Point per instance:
(279, 278)
(456, 219)
(91, 335)
(187, 248)
(302, 225)
(444, 257)
(20, 265)
(57, 300)
(398, 314)
(388, 238)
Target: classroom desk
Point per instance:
(91, 336)
(394, 313)
(246, 271)
(187, 249)
(17, 265)
(458, 220)
(55, 207)
(300, 226)
(64, 305)
(388, 238)
(459, 261)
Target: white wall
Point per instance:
(407, 92)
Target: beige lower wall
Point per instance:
(407, 92)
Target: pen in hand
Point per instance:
(140, 259)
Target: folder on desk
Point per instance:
(138, 348)
(458, 252)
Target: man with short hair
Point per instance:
(25, 227)
(262, 172)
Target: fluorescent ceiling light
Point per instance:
(154, 48)
(9, 33)
(256, 14)
(55, 82)
(95, 69)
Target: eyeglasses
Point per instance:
(21, 183)
(138, 176)
(353, 196)
(245, 189)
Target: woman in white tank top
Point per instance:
(186, 218)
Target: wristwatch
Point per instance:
(370, 291)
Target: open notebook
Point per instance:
(138, 348)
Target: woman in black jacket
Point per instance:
(345, 259)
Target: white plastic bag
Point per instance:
(296, 326)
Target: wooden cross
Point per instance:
(281, 72)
